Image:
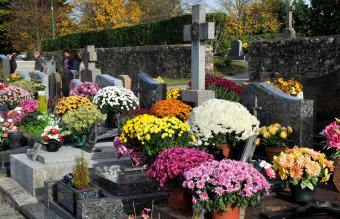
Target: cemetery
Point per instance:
(113, 140)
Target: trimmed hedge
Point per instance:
(163, 32)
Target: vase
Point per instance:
(300, 195)
(111, 120)
(231, 213)
(52, 147)
(179, 199)
(69, 197)
(226, 150)
(85, 140)
(274, 151)
(336, 174)
(15, 140)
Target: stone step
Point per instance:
(6, 212)
(40, 211)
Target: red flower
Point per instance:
(60, 138)
(46, 138)
(54, 131)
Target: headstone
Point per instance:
(279, 107)
(289, 31)
(86, 75)
(127, 82)
(67, 77)
(90, 59)
(75, 83)
(51, 66)
(54, 85)
(150, 91)
(236, 52)
(25, 66)
(197, 33)
(106, 80)
(24, 74)
(43, 78)
(5, 69)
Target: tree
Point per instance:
(4, 12)
(101, 14)
(159, 9)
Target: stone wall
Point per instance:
(313, 61)
(171, 61)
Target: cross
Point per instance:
(197, 33)
(291, 9)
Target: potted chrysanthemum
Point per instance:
(171, 108)
(303, 169)
(114, 100)
(168, 170)
(52, 138)
(220, 124)
(222, 188)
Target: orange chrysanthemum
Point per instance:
(73, 102)
(171, 108)
(313, 168)
(296, 172)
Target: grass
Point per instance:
(176, 81)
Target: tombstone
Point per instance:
(150, 91)
(197, 33)
(279, 107)
(236, 52)
(106, 80)
(127, 82)
(43, 78)
(51, 66)
(86, 75)
(24, 74)
(67, 77)
(25, 66)
(5, 68)
(90, 58)
(54, 85)
(289, 31)
(75, 83)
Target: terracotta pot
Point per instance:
(226, 148)
(179, 199)
(336, 174)
(274, 151)
(231, 213)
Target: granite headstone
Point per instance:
(86, 75)
(43, 78)
(105, 80)
(67, 78)
(236, 52)
(150, 91)
(75, 83)
(54, 84)
(4, 66)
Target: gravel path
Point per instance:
(6, 212)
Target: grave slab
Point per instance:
(197, 97)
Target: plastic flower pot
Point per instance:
(274, 151)
(226, 150)
(300, 195)
(111, 120)
(231, 213)
(15, 140)
(52, 146)
(179, 199)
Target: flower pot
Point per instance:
(274, 151)
(111, 120)
(52, 147)
(336, 174)
(226, 150)
(299, 195)
(231, 213)
(179, 199)
(15, 140)
(69, 197)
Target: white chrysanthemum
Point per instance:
(222, 117)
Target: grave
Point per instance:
(197, 33)
(90, 59)
(24, 74)
(43, 78)
(4, 66)
(126, 81)
(150, 91)
(105, 80)
(54, 85)
(75, 83)
(289, 31)
(236, 51)
(279, 107)
(67, 77)
(86, 75)
(51, 66)
(25, 66)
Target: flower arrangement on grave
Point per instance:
(3, 86)
(303, 169)
(124, 117)
(222, 188)
(159, 79)
(13, 96)
(52, 138)
(175, 93)
(332, 133)
(155, 134)
(81, 121)
(87, 89)
(290, 86)
(274, 138)
(171, 108)
(13, 77)
(16, 115)
(168, 170)
(6, 126)
(224, 89)
(73, 102)
(31, 86)
(221, 124)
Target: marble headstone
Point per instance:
(236, 52)
(150, 91)
(106, 80)
(279, 107)
(4, 66)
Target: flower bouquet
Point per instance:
(291, 86)
(52, 138)
(6, 126)
(13, 96)
(31, 86)
(169, 168)
(154, 134)
(73, 102)
(304, 169)
(222, 188)
(274, 138)
(222, 124)
(114, 100)
(171, 108)
(175, 93)
(81, 122)
(87, 89)
(13, 77)
(124, 117)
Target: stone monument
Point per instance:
(4, 66)
(197, 33)
(90, 58)
(289, 31)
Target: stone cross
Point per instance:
(289, 32)
(198, 32)
(90, 59)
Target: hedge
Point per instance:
(163, 32)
